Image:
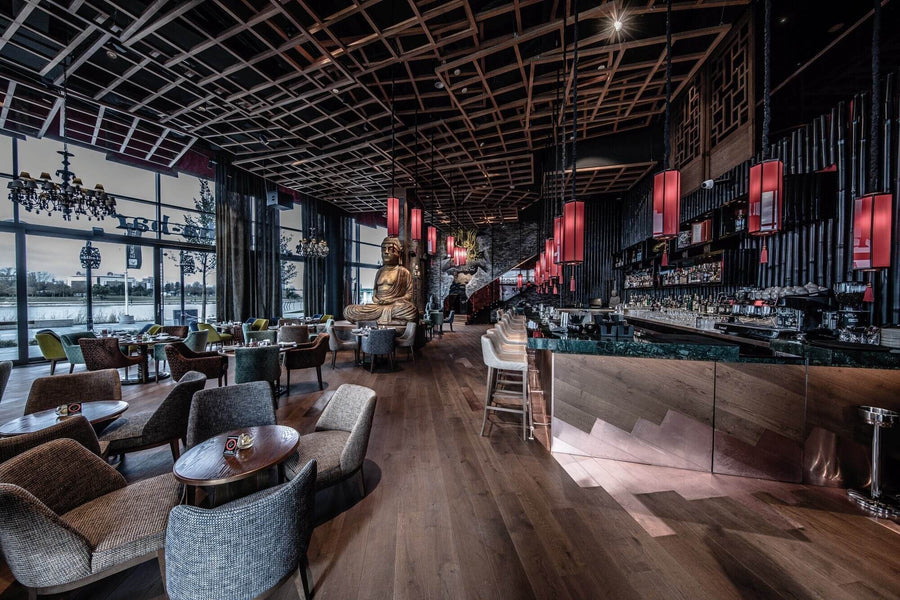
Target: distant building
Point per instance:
(77, 281)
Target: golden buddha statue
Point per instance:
(392, 298)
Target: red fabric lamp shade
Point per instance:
(766, 179)
(572, 246)
(393, 217)
(459, 256)
(451, 245)
(520, 281)
(537, 273)
(544, 269)
(666, 204)
(432, 239)
(550, 252)
(415, 224)
(557, 238)
(872, 223)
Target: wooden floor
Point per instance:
(450, 514)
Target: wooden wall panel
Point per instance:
(732, 150)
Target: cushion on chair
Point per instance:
(126, 523)
(326, 448)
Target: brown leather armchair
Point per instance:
(182, 359)
(307, 356)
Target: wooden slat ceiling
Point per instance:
(299, 91)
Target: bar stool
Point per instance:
(500, 367)
(513, 334)
(519, 344)
(879, 418)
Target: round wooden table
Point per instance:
(95, 412)
(143, 347)
(206, 465)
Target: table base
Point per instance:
(880, 507)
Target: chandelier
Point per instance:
(313, 247)
(68, 197)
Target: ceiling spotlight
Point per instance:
(601, 66)
(481, 145)
(617, 25)
(456, 71)
(154, 54)
(439, 84)
(335, 91)
(111, 54)
(512, 187)
(464, 90)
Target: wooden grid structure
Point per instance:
(299, 91)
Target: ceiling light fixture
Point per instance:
(439, 84)
(617, 25)
(667, 183)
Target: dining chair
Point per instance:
(293, 333)
(307, 356)
(71, 347)
(336, 343)
(49, 392)
(408, 339)
(182, 360)
(105, 353)
(76, 428)
(261, 336)
(258, 364)
(379, 342)
(51, 347)
(217, 410)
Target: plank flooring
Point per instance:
(450, 514)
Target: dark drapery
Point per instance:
(248, 277)
(323, 279)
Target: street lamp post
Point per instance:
(186, 266)
(90, 259)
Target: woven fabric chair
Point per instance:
(51, 347)
(151, 428)
(72, 348)
(218, 410)
(245, 548)
(379, 342)
(261, 336)
(213, 336)
(307, 356)
(408, 339)
(257, 364)
(5, 371)
(339, 442)
(449, 319)
(67, 518)
(192, 340)
(49, 392)
(76, 428)
(182, 359)
(104, 353)
(336, 344)
(298, 334)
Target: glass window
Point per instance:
(292, 288)
(189, 226)
(186, 191)
(199, 292)
(366, 284)
(372, 235)
(6, 165)
(369, 255)
(6, 205)
(8, 316)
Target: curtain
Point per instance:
(323, 279)
(248, 274)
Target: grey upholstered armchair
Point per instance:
(269, 335)
(67, 518)
(150, 428)
(336, 343)
(379, 342)
(245, 548)
(340, 440)
(75, 428)
(218, 410)
(408, 339)
(50, 392)
(72, 348)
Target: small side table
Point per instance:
(876, 502)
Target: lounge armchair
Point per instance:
(51, 347)
(104, 353)
(299, 334)
(151, 428)
(339, 442)
(68, 519)
(76, 428)
(72, 348)
(307, 356)
(243, 549)
(182, 359)
(218, 410)
(49, 392)
(261, 336)
(336, 344)
(213, 336)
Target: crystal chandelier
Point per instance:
(67, 197)
(313, 247)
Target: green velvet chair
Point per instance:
(258, 364)
(51, 347)
(72, 349)
(213, 336)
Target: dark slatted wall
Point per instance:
(808, 248)
(596, 277)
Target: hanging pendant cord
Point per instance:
(433, 179)
(393, 155)
(874, 146)
(575, 99)
(416, 166)
(666, 139)
(767, 76)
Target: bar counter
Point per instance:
(691, 401)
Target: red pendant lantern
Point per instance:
(572, 246)
(549, 251)
(665, 257)
(764, 219)
(555, 290)
(572, 284)
(520, 281)
(415, 224)
(393, 217)
(872, 224)
(666, 204)
(432, 239)
(557, 238)
(451, 244)
(537, 273)
(459, 256)
(544, 270)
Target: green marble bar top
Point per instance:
(698, 348)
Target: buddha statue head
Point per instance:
(390, 251)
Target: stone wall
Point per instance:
(500, 248)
